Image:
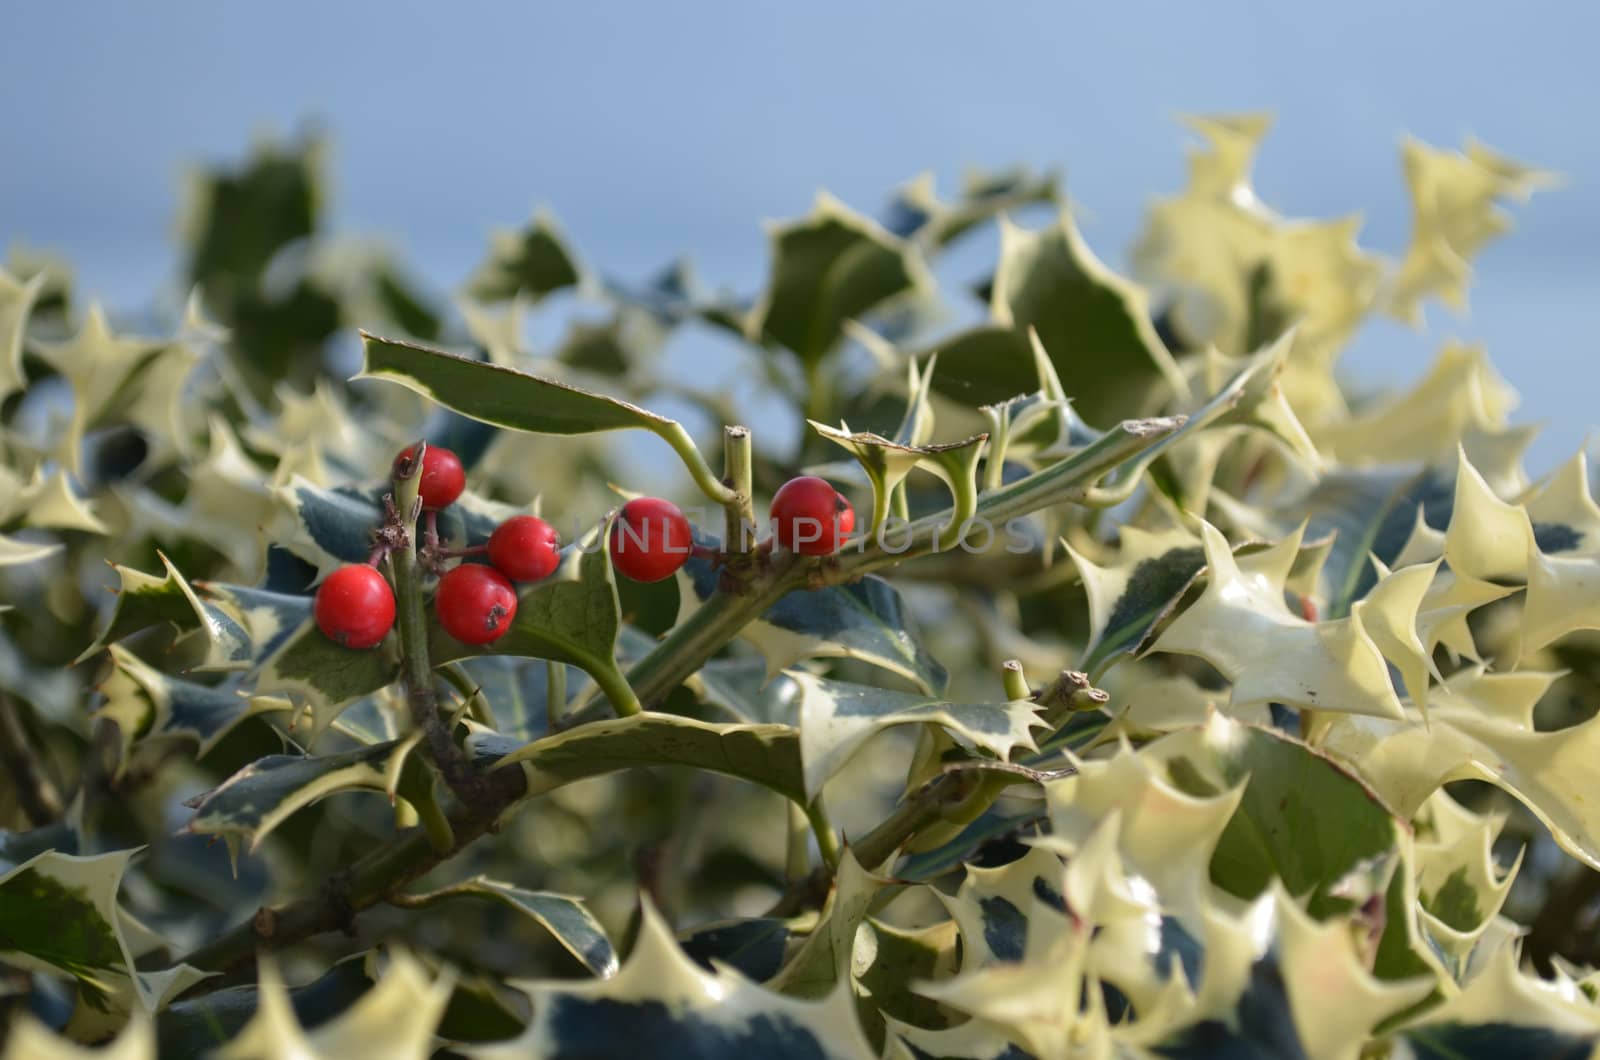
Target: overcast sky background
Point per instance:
(657, 129)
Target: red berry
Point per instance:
(443, 477)
(525, 548)
(810, 517)
(475, 604)
(650, 539)
(355, 606)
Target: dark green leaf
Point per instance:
(830, 267)
(768, 755)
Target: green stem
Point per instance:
(822, 828)
(619, 690)
(699, 470)
(1015, 679)
(797, 853)
(720, 618)
(416, 673)
(434, 823)
(704, 633)
(555, 693)
(739, 524)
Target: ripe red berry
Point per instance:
(525, 548)
(650, 539)
(810, 517)
(475, 604)
(355, 606)
(443, 477)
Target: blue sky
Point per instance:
(657, 129)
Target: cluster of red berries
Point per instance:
(475, 603)
(650, 540)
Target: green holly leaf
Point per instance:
(830, 267)
(502, 396)
(865, 620)
(837, 717)
(565, 917)
(768, 755)
(1303, 818)
(532, 261)
(570, 617)
(1095, 324)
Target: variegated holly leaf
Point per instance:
(255, 800)
(1129, 597)
(48, 502)
(889, 960)
(148, 705)
(838, 717)
(865, 620)
(96, 363)
(396, 1018)
(324, 674)
(1045, 1002)
(143, 600)
(566, 918)
(827, 268)
(1335, 1001)
(16, 301)
(331, 527)
(754, 947)
(29, 1039)
(15, 551)
(991, 908)
(742, 687)
(1455, 210)
(917, 212)
(1564, 565)
(59, 913)
(1501, 1011)
(1242, 626)
(1461, 398)
(1303, 818)
(1144, 824)
(1480, 726)
(203, 1022)
(1095, 324)
(823, 961)
(1460, 885)
(662, 1003)
(768, 755)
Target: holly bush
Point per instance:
(1166, 697)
